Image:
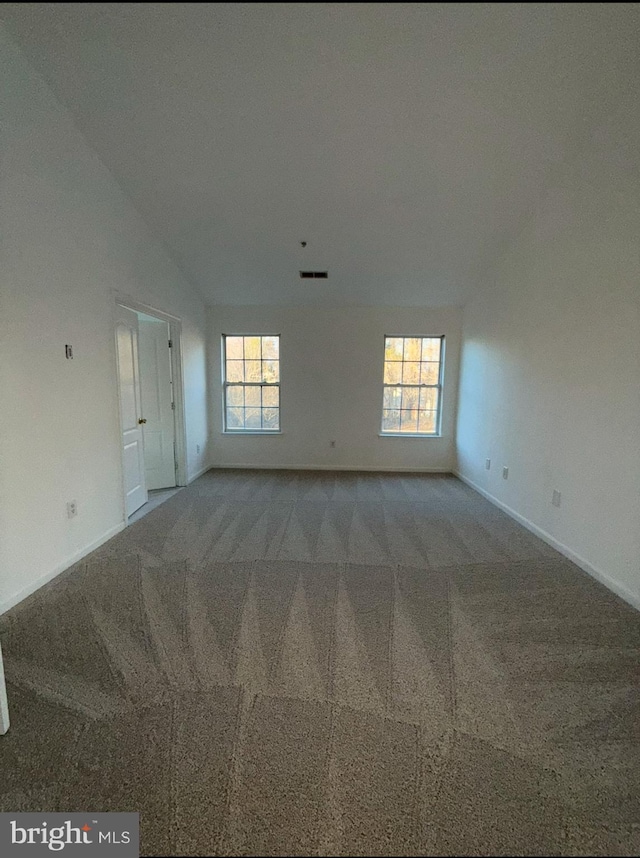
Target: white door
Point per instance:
(130, 409)
(157, 397)
(4, 706)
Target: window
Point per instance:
(251, 380)
(412, 385)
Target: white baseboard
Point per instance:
(359, 468)
(198, 474)
(619, 589)
(13, 600)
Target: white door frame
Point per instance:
(175, 334)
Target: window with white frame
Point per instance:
(412, 399)
(251, 381)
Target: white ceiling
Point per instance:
(406, 143)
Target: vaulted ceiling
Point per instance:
(405, 143)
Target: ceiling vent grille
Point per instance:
(319, 275)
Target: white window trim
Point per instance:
(226, 384)
(439, 387)
(251, 432)
(423, 436)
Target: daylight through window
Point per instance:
(251, 383)
(412, 385)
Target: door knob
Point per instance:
(142, 420)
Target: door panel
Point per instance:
(4, 705)
(130, 409)
(157, 396)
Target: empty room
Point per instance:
(320, 437)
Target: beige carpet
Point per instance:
(330, 664)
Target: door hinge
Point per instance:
(170, 344)
(173, 406)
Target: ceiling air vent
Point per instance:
(321, 275)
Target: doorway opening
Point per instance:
(151, 403)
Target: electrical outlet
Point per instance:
(72, 509)
(332, 443)
(556, 498)
(198, 449)
(487, 464)
(505, 473)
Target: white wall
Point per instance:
(550, 367)
(69, 239)
(331, 388)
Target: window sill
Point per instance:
(238, 433)
(407, 435)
